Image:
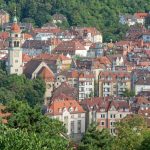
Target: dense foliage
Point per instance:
(103, 14)
(21, 88)
(132, 134)
(95, 139)
(28, 129)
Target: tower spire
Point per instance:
(15, 16)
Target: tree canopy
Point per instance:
(28, 129)
(21, 88)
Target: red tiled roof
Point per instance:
(46, 56)
(67, 90)
(27, 36)
(106, 103)
(61, 96)
(140, 15)
(4, 35)
(15, 28)
(46, 74)
(86, 75)
(25, 58)
(70, 46)
(54, 30)
(57, 107)
(113, 75)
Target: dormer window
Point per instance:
(70, 109)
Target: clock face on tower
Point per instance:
(16, 54)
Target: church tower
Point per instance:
(15, 65)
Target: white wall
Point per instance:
(139, 88)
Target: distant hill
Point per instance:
(102, 14)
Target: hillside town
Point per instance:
(87, 80)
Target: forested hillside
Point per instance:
(102, 14)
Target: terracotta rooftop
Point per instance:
(58, 107)
(67, 90)
(141, 15)
(15, 28)
(46, 74)
(69, 46)
(26, 58)
(100, 104)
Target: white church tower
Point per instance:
(15, 65)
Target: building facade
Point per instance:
(113, 83)
(71, 114)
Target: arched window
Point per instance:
(16, 43)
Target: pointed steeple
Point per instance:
(15, 27)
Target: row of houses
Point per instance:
(106, 112)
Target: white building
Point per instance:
(86, 85)
(15, 65)
(71, 114)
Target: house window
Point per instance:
(102, 115)
(72, 127)
(112, 131)
(16, 61)
(79, 115)
(10, 44)
(112, 116)
(16, 70)
(102, 123)
(120, 115)
(79, 126)
(112, 123)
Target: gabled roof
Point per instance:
(104, 104)
(67, 90)
(141, 15)
(4, 35)
(72, 45)
(31, 66)
(46, 74)
(58, 107)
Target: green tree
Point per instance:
(129, 133)
(27, 128)
(95, 139)
(145, 145)
(21, 88)
(128, 93)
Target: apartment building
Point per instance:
(113, 83)
(105, 111)
(71, 114)
(86, 85)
